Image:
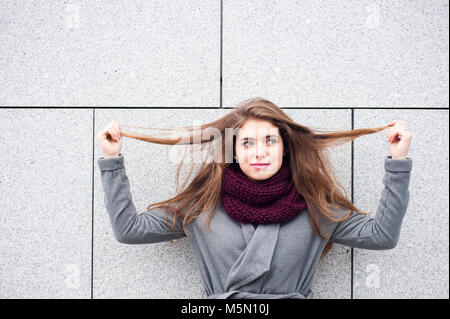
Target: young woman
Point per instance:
(272, 204)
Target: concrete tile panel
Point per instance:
(110, 53)
(418, 266)
(46, 210)
(337, 53)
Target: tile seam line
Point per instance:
(352, 176)
(92, 204)
(221, 56)
(218, 108)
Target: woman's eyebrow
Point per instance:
(251, 138)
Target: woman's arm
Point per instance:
(128, 226)
(382, 231)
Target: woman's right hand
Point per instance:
(110, 140)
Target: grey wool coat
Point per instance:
(270, 261)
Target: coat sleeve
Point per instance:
(383, 230)
(128, 226)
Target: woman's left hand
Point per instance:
(400, 139)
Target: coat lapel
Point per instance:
(255, 259)
(248, 230)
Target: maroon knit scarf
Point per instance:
(273, 200)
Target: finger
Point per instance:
(392, 134)
(404, 133)
(112, 131)
(116, 124)
(400, 123)
(408, 135)
(116, 135)
(112, 134)
(115, 127)
(391, 137)
(394, 131)
(400, 134)
(105, 133)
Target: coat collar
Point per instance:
(254, 261)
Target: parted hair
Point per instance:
(312, 172)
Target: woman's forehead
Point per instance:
(257, 131)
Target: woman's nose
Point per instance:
(260, 150)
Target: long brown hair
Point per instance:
(312, 172)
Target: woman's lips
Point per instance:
(259, 165)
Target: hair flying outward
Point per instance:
(312, 172)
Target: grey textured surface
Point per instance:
(418, 266)
(101, 53)
(168, 54)
(46, 206)
(337, 53)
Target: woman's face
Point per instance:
(259, 141)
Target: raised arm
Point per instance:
(382, 231)
(128, 226)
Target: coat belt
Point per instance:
(236, 294)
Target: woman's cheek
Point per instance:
(243, 155)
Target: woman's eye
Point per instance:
(272, 142)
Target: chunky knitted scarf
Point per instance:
(273, 200)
